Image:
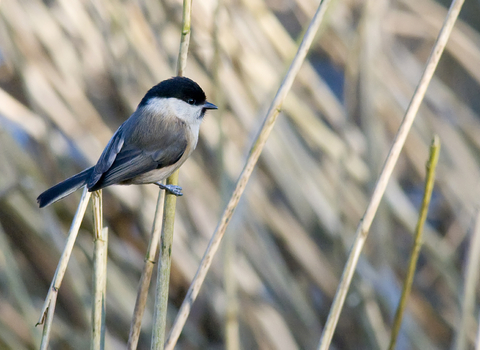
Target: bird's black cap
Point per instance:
(178, 87)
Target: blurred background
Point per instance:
(71, 71)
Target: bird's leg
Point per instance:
(175, 190)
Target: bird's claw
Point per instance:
(172, 189)
(175, 190)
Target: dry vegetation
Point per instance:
(72, 70)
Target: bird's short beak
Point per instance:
(208, 105)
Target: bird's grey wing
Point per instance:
(108, 156)
(165, 146)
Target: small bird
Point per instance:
(149, 146)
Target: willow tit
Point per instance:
(149, 146)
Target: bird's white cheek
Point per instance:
(158, 106)
(191, 114)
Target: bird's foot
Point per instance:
(172, 189)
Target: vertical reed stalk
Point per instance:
(166, 241)
(232, 335)
(163, 277)
(99, 274)
(477, 344)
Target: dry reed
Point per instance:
(73, 71)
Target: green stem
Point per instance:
(164, 263)
(407, 286)
(166, 240)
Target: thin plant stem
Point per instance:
(166, 241)
(99, 274)
(163, 277)
(465, 326)
(365, 223)
(407, 286)
(144, 284)
(477, 344)
(48, 319)
(48, 308)
(232, 335)
(185, 38)
(255, 152)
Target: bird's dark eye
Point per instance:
(191, 101)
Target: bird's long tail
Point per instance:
(64, 188)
